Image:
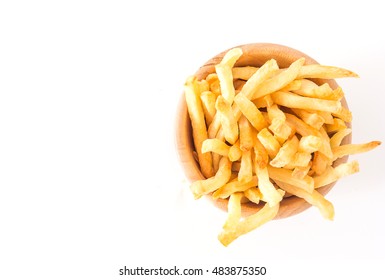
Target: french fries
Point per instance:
(262, 134)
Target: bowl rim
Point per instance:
(289, 206)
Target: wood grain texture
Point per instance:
(253, 55)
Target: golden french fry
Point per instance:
(244, 72)
(270, 194)
(337, 138)
(292, 100)
(203, 86)
(229, 124)
(202, 187)
(271, 144)
(311, 118)
(351, 149)
(213, 82)
(234, 211)
(253, 194)
(246, 171)
(273, 111)
(294, 85)
(324, 72)
(333, 174)
(225, 75)
(233, 187)
(300, 159)
(343, 114)
(284, 175)
(327, 116)
(260, 102)
(261, 157)
(235, 152)
(246, 134)
(208, 103)
(320, 163)
(300, 172)
(260, 76)
(280, 80)
(282, 131)
(286, 153)
(194, 107)
(250, 223)
(337, 125)
(313, 198)
(250, 111)
(304, 130)
(311, 89)
(300, 126)
(216, 146)
(310, 144)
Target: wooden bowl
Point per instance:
(253, 55)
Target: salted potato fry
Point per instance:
(310, 144)
(280, 80)
(286, 153)
(259, 77)
(233, 187)
(337, 125)
(300, 126)
(311, 89)
(235, 152)
(246, 171)
(271, 144)
(320, 163)
(229, 124)
(300, 172)
(313, 198)
(246, 134)
(273, 111)
(250, 111)
(253, 194)
(282, 131)
(225, 75)
(333, 174)
(270, 194)
(216, 146)
(234, 211)
(284, 175)
(261, 156)
(300, 159)
(202, 187)
(324, 72)
(337, 138)
(244, 72)
(250, 223)
(351, 149)
(208, 101)
(194, 107)
(313, 119)
(294, 85)
(213, 82)
(292, 100)
(203, 85)
(344, 114)
(327, 116)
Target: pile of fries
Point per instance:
(262, 134)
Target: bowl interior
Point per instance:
(253, 55)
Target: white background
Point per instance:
(89, 176)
